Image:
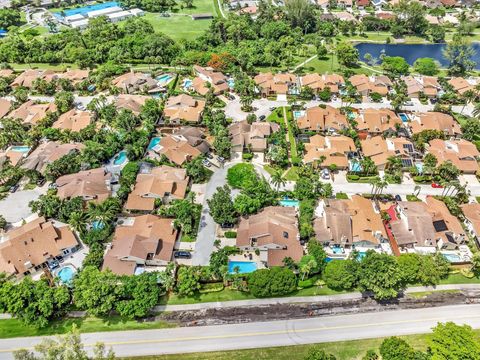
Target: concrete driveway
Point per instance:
(14, 207)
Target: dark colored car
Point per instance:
(398, 198)
(182, 255)
(13, 188)
(226, 226)
(262, 117)
(40, 182)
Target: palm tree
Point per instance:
(476, 111)
(277, 179)
(373, 183)
(468, 96)
(368, 166)
(381, 185)
(416, 190)
(77, 221)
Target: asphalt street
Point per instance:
(267, 334)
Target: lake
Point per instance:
(412, 52)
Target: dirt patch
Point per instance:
(294, 311)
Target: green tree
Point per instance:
(276, 281)
(315, 249)
(188, 280)
(347, 54)
(223, 144)
(370, 355)
(221, 206)
(470, 129)
(316, 353)
(277, 179)
(196, 171)
(447, 171)
(394, 348)
(380, 274)
(459, 53)
(453, 342)
(140, 294)
(64, 101)
(341, 275)
(395, 65)
(306, 265)
(426, 66)
(186, 213)
(3, 222)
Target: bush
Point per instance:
(412, 198)
(306, 283)
(353, 177)
(341, 196)
(211, 287)
(230, 234)
(422, 179)
(272, 282)
(247, 156)
(238, 175)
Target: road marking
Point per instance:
(261, 333)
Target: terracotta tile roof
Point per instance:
(377, 121)
(319, 82)
(88, 184)
(462, 153)
(28, 77)
(5, 106)
(133, 103)
(31, 113)
(379, 149)
(162, 181)
(435, 121)
(243, 134)
(75, 76)
(184, 107)
(149, 241)
(6, 73)
(73, 120)
(217, 80)
(278, 83)
(274, 230)
(177, 149)
(320, 119)
(461, 85)
(472, 214)
(47, 153)
(334, 148)
(33, 244)
(366, 85)
(134, 81)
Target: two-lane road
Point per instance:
(266, 334)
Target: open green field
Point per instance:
(11, 328)
(343, 350)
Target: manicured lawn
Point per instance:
(277, 117)
(328, 66)
(291, 136)
(343, 350)
(269, 169)
(224, 295)
(14, 328)
(292, 174)
(459, 279)
(421, 294)
(42, 66)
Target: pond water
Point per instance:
(412, 52)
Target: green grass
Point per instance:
(458, 278)
(11, 328)
(269, 169)
(42, 66)
(341, 196)
(224, 295)
(343, 350)
(292, 174)
(277, 117)
(328, 66)
(291, 136)
(422, 294)
(412, 198)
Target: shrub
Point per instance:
(272, 282)
(247, 156)
(239, 174)
(306, 283)
(211, 287)
(341, 196)
(353, 177)
(230, 234)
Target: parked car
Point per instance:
(231, 97)
(14, 188)
(325, 174)
(437, 186)
(40, 182)
(226, 226)
(272, 108)
(209, 155)
(206, 163)
(262, 117)
(182, 255)
(221, 159)
(398, 198)
(52, 186)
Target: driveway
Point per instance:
(14, 207)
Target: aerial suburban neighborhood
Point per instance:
(246, 179)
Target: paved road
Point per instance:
(267, 334)
(14, 207)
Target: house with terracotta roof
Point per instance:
(346, 223)
(251, 136)
(471, 213)
(6, 73)
(48, 152)
(427, 85)
(461, 153)
(73, 120)
(216, 80)
(344, 16)
(377, 121)
(75, 76)
(30, 113)
(276, 84)
(28, 77)
(134, 103)
(345, 4)
(140, 243)
(183, 108)
(379, 149)
(162, 182)
(362, 4)
(133, 82)
(330, 149)
(426, 226)
(182, 145)
(91, 185)
(274, 232)
(434, 121)
(5, 106)
(318, 82)
(12, 156)
(462, 85)
(323, 119)
(365, 85)
(28, 249)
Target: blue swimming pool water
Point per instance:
(244, 267)
(337, 250)
(22, 149)
(453, 258)
(404, 117)
(231, 83)
(66, 274)
(164, 78)
(86, 9)
(355, 166)
(289, 203)
(361, 255)
(351, 115)
(419, 167)
(97, 225)
(297, 114)
(154, 142)
(187, 83)
(120, 158)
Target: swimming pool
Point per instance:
(120, 159)
(231, 83)
(453, 258)
(244, 267)
(86, 9)
(354, 166)
(361, 255)
(290, 203)
(297, 114)
(187, 83)
(154, 142)
(97, 225)
(164, 78)
(351, 115)
(404, 117)
(66, 274)
(419, 167)
(337, 250)
(22, 149)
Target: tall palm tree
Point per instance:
(373, 183)
(476, 111)
(277, 179)
(77, 221)
(468, 96)
(381, 185)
